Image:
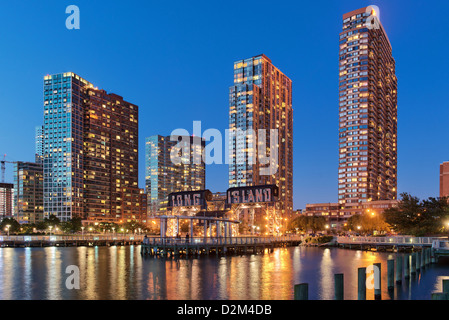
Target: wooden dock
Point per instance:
(200, 246)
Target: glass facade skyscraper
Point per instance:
(261, 99)
(90, 151)
(28, 192)
(163, 176)
(368, 113)
(39, 135)
(64, 97)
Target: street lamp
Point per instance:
(50, 227)
(7, 228)
(82, 232)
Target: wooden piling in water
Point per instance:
(413, 264)
(390, 274)
(418, 261)
(407, 266)
(446, 286)
(440, 296)
(361, 287)
(423, 265)
(399, 260)
(339, 286)
(378, 281)
(301, 291)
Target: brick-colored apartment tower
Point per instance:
(367, 112)
(90, 153)
(261, 98)
(444, 179)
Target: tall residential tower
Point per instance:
(368, 113)
(444, 179)
(261, 99)
(163, 176)
(90, 152)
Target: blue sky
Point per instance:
(174, 59)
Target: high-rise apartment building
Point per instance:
(28, 192)
(90, 151)
(261, 99)
(164, 176)
(368, 113)
(6, 200)
(39, 136)
(444, 179)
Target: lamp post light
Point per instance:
(50, 227)
(82, 232)
(7, 228)
(113, 231)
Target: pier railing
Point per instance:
(396, 240)
(57, 238)
(152, 239)
(220, 240)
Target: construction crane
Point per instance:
(3, 165)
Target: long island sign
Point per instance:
(253, 194)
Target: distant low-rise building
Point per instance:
(331, 211)
(336, 215)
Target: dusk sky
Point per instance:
(174, 59)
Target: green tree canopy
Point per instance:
(368, 222)
(306, 223)
(418, 218)
(14, 226)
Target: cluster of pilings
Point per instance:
(406, 266)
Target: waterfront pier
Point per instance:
(199, 246)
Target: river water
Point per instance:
(122, 273)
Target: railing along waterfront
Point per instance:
(396, 240)
(220, 240)
(57, 238)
